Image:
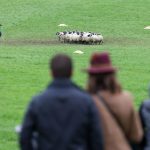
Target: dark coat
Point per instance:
(145, 117)
(64, 118)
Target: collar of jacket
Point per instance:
(61, 82)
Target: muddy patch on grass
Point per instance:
(23, 42)
(118, 41)
(124, 41)
(48, 42)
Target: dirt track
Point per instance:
(20, 42)
(51, 42)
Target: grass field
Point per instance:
(29, 28)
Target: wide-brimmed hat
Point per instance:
(100, 63)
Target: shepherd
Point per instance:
(0, 30)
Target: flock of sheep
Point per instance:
(79, 37)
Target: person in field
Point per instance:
(120, 122)
(63, 117)
(0, 31)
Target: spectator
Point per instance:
(145, 117)
(120, 122)
(63, 116)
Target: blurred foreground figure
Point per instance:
(63, 117)
(121, 123)
(145, 117)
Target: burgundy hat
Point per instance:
(101, 63)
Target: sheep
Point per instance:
(94, 38)
(86, 37)
(61, 36)
(58, 34)
(100, 39)
(79, 37)
(72, 37)
(75, 37)
(67, 37)
(97, 38)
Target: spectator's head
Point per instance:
(102, 75)
(61, 66)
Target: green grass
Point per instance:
(24, 68)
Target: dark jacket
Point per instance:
(145, 117)
(64, 118)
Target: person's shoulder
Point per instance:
(36, 98)
(81, 95)
(127, 99)
(81, 91)
(75, 92)
(146, 104)
(127, 95)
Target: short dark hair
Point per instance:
(61, 66)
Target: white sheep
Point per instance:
(100, 39)
(80, 37)
(61, 36)
(86, 37)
